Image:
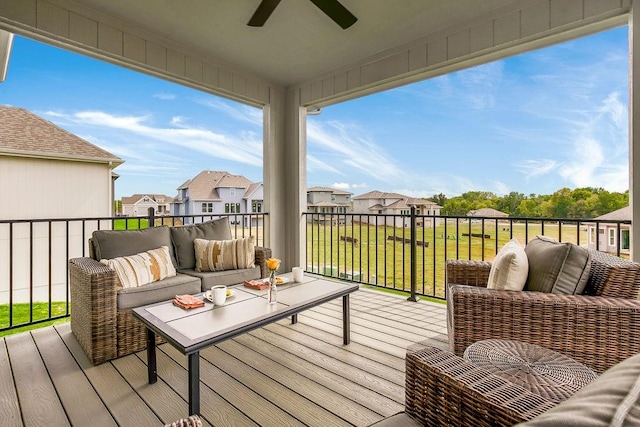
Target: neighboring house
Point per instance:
(398, 205)
(330, 202)
(51, 172)
(47, 172)
(139, 204)
(608, 232)
(213, 193)
(487, 213)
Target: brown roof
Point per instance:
(622, 214)
(158, 198)
(204, 186)
(327, 190)
(375, 194)
(24, 133)
(250, 189)
(487, 213)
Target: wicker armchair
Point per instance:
(599, 329)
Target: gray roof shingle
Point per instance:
(24, 133)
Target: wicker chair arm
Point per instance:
(596, 331)
(471, 273)
(444, 389)
(262, 255)
(94, 304)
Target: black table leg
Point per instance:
(294, 319)
(151, 356)
(346, 321)
(194, 383)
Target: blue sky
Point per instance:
(534, 123)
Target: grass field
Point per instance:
(380, 256)
(21, 316)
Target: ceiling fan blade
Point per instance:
(262, 13)
(336, 11)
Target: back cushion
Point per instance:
(559, 268)
(183, 237)
(108, 244)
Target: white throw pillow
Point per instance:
(510, 268)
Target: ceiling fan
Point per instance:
(332, 8)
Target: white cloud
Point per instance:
(353, 151)
(242, 150)
(165, 96)
(347, 186)
(316, 165)
(237, 111)
(501, 188)
(535, 168)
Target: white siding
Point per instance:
(39, 188)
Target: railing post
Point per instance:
(413, 254)
(152, 217)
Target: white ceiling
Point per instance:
(299, 42)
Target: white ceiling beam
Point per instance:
(6, 39)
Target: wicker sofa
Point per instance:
(598, 329)
(101, 315)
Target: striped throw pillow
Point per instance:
(218, 255)
(143, 268)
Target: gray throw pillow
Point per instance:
(183, 237)
(108, 244)
(554, 267)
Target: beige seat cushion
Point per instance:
(510, 268)
(559, 268)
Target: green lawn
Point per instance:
(130, 224)
(21, 316)
(330, 249)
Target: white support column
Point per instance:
(634, 129)
(285, 176)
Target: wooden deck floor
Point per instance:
(280, 375)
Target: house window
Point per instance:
(592, 234)
(333, 197)
(256, 206)
(624, 239)
(207, 207)
(227, 208)
(612, 237)
(232, 192)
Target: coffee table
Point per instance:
(190, 331)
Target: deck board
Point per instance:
(37, 396)
(71, 384)
(9, 410)
(282, 374)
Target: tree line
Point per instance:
(587, 202)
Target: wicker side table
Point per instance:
(538, 369)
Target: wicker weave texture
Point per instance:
(597, 331)
(550, 374)
(442, 389)
(93, 314)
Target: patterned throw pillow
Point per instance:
(143, 268)
(218, 255)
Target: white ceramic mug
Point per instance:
(219, 294)
(298, 274)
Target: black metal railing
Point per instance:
(403, 252)
(34, 278)
(409, 252)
